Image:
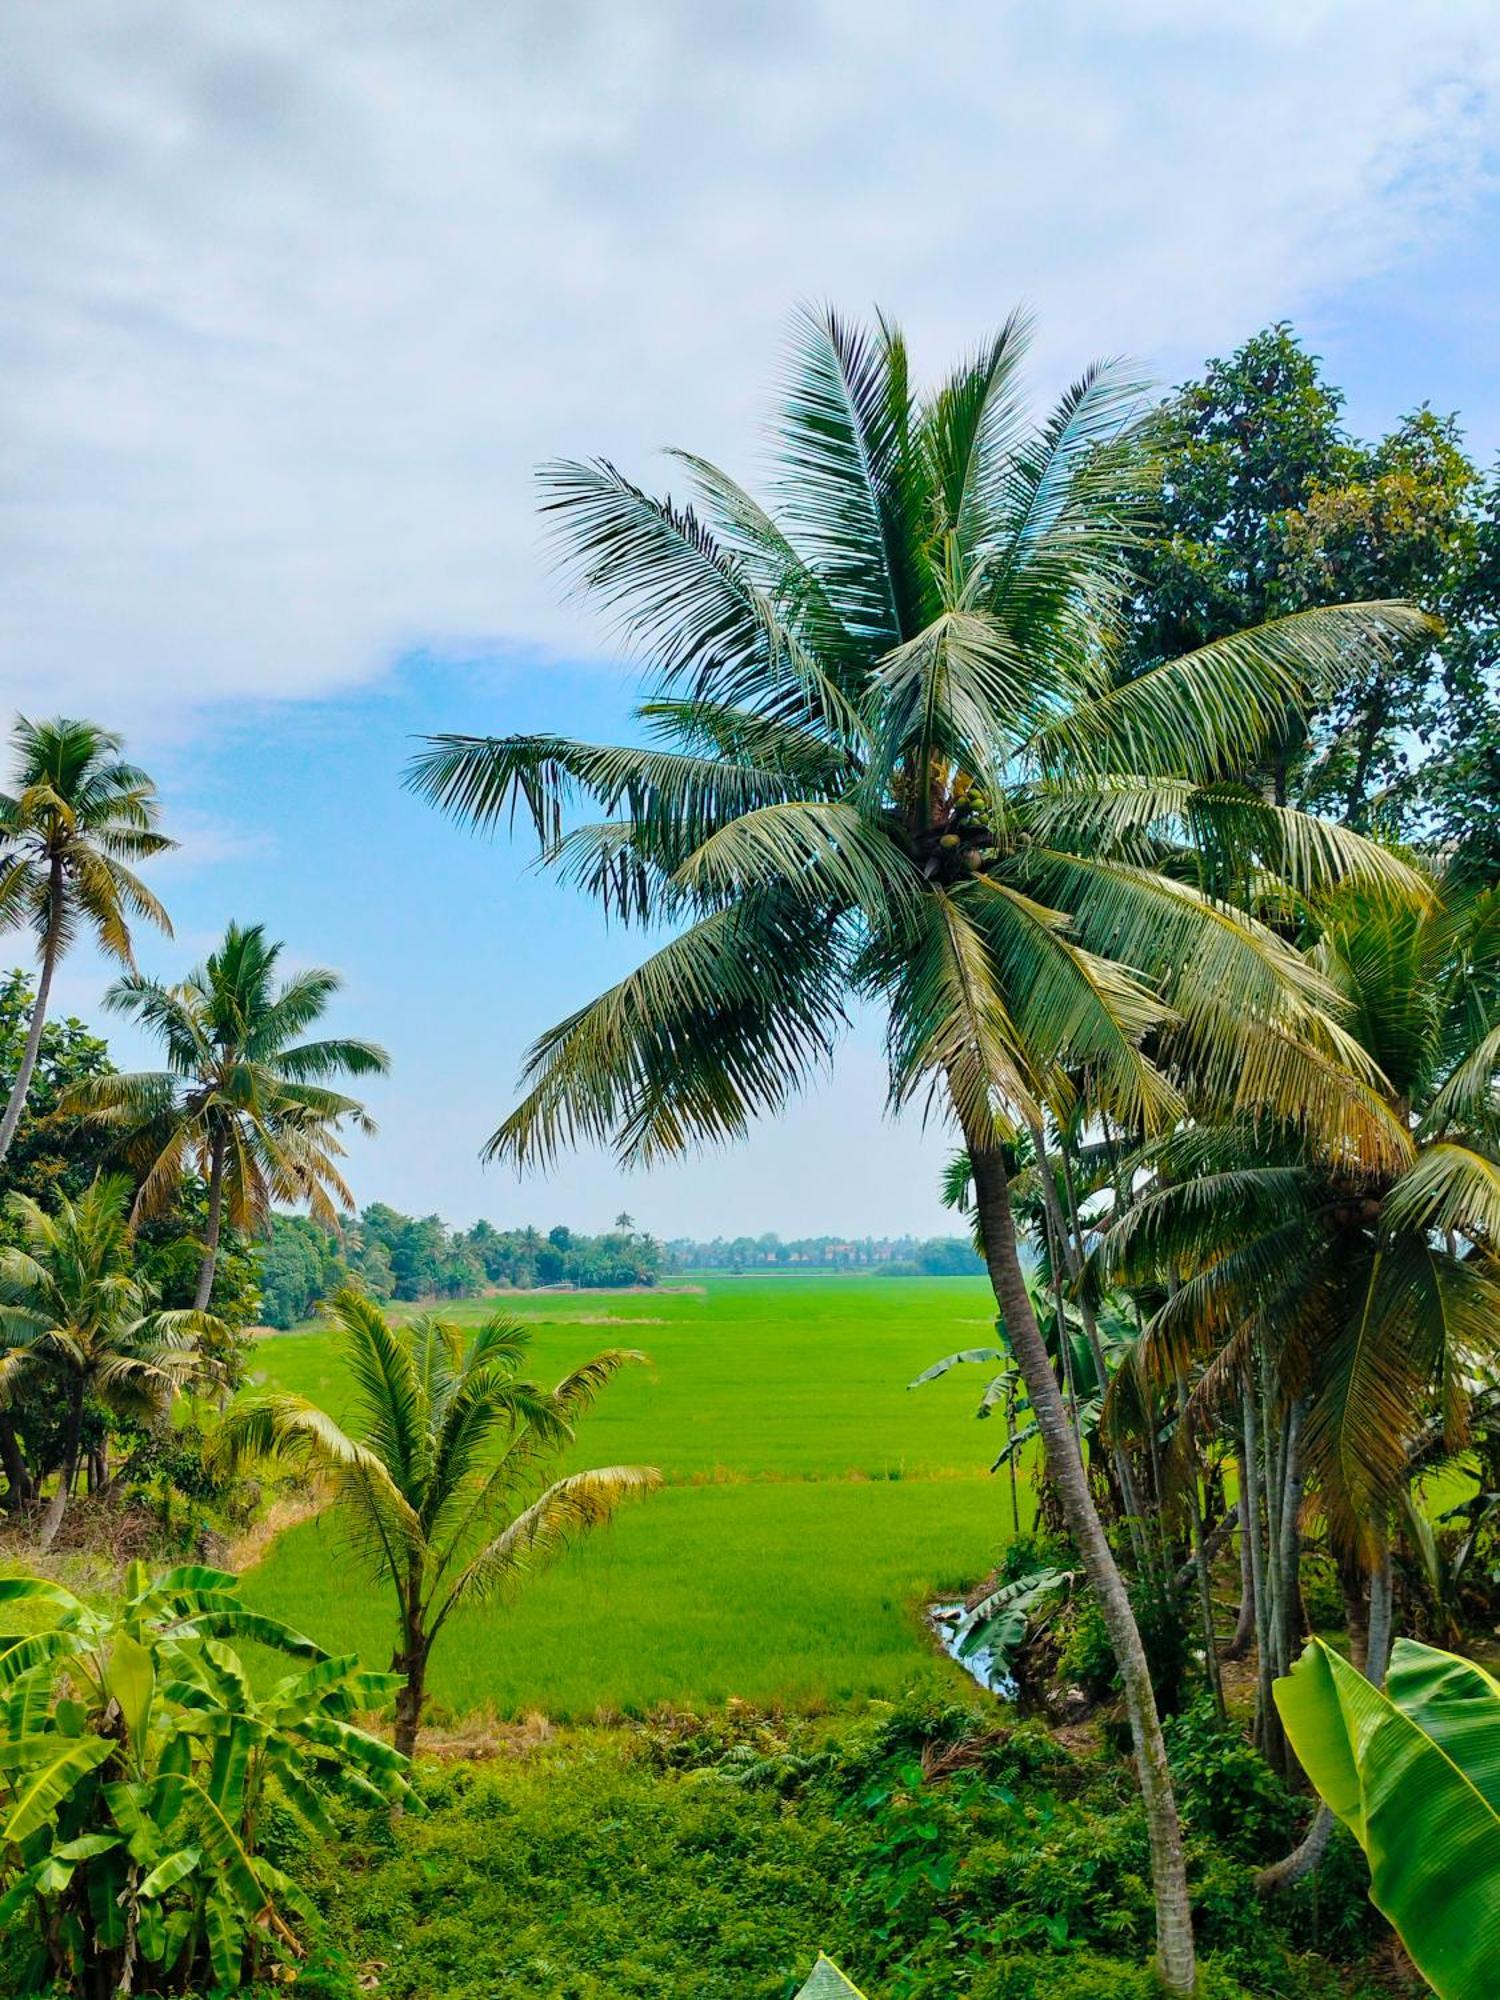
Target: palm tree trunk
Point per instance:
(212, 1227)
(1174, 1922)
(1267, 1732)
(1244, 1628)
(20, 1488)
(1201, 1565)
(57, 1506)
(22, 1085)
(1069, 1239)
(1289, 1542)
(410, 1696)
(1309, 1851)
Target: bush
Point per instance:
(1087, 1655)
(1225, 1789)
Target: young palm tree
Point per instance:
(242, 1098)
(438, 1474)
(76, 816)
(881, 711)
(73, 1312)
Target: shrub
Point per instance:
(1225, 1788)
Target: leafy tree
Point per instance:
(76, 816)
(300, 1264)
(1268, 506)
(52, 1152)
(879, 716)
(138, 1765)
(242, 1098)
(1454, 795)
(72, 1311)
(438, 1475)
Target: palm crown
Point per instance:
(76, 816)
(243, 1098)
(892, 756)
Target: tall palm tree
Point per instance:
(76, 816)
(1350, 1308)
(242, 1098)
(879, 710)
(1372, 1288)
(439, 1473)
(74, 1313)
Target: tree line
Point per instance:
(897, 1256)
(395, 1256)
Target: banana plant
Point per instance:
(1414, 1773)
(136, 1761)
(997, 1623)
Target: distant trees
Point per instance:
(441, 1473)
(936, 1256)
(391, 1255)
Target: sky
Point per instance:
(299, 294)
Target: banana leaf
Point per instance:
(1414, 1773)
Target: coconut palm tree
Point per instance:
(1374, 1286)
(1344, 1306)
(879, 709)
(76, 816)
(438, 1474)
(73, 1312)
(242, 1098)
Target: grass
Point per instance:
(812, 1502)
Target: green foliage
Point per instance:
(1225, 1788)
(136, 1763)
(1087, 1656)
(300, 1266)
(52, 1153)
(1414, 1772)
(591, 1868)
(1269, 506)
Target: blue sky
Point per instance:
(299, 294)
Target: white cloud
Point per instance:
(299, 293)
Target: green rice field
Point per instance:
(812, 1502)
